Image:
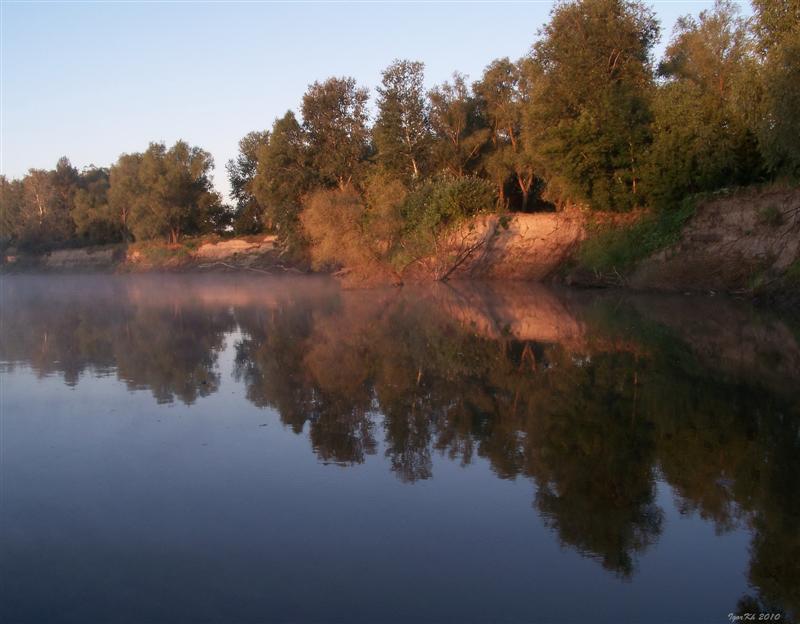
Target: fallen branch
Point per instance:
(247, 268)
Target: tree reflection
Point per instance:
(168, 345)
(593, 401)
(592, 421)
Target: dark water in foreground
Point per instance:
(228, 449)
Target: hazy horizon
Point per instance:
(91, 80)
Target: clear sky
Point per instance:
(91, 80)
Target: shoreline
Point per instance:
(743, 243)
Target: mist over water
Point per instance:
(233, 448)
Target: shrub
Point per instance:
(435, 209)
(333, 221)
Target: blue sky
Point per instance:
(91, 80)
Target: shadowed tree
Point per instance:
(125, 189)
(283, 174)
(588, 113)
(248, 213)
(701, 141)
(12, 193)
(777, 25)
(94, 220)
(503, 95)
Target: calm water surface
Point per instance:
(231, 449)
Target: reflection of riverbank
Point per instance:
(726, 335)
(69, 323)
(590, 397)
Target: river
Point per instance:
(227, 448)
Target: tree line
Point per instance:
(586, 117)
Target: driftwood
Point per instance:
(247, 268)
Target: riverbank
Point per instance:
(211, 253)
(743, 242)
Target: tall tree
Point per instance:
(335, 122)
(779, 130)
(777, 26)
(94, 220)
(11, 209)
(248, 213)
(283, 175)
(709, 51)
(774, 20)
(401, 132)
(46, 202)
(503, 97)
(701, 138)
(589, 103)
(458, 127)
(177, 195)
(125, 190)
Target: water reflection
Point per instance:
(594, 399)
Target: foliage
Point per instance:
(589, 115)
(583, 119)
(779, 127)
(175, 193)
(618, 248)
(697, 146)
(283, 175)
(503, 93)
(459, 130)
(36, 210)
(774, 20)
(94, 221)
(701, 139)
(335, 125)
(248, 213)
(432, 212)
(333, 219)
(402, 133)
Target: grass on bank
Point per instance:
(615, 247)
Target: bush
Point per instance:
(333, 220)
(435, 209)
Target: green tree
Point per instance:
(709, 51)
(283, 174)
(701, 139)
(401, 132)
(11, 209)
(503, 97)
(335, 124)
(589, 115)
(176, 196)
(94, 220)
(46, 203)
(248, 212)
(125, 190)
(778, 26)
(459, 130)
(774, 20)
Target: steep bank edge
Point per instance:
(745, 242)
